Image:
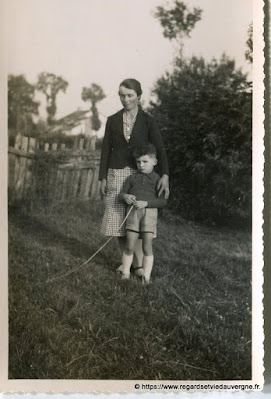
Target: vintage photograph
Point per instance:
(131, 179)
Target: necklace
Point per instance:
(129, 124)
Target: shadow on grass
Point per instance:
(47, 234)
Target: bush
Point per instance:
(205, 114)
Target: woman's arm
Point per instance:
(156, 139)
(163, 186)
(103, 187)
(105, 154)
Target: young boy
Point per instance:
(140, 191)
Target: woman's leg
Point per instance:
(122, 243)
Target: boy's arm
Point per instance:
(124, 194)
(157, 203)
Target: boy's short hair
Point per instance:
(146, 149)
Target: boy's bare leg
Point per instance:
(127, 257)
(148, 256)
(138, 258)
(131, 240)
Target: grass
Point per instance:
(193, 322)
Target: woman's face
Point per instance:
(128, 98)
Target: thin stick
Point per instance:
(180, 299)
(92, 256)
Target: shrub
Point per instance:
(204, 110)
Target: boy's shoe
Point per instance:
(119, 270)
(125, 276)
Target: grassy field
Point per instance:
(192, 322)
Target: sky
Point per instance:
(106, 41)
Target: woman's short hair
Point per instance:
(132, 84)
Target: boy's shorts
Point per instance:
(142, 220)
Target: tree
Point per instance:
(50, 85)
(249, 51)
(204, 110)
(21, 103)
(177, 20)
(94, 94)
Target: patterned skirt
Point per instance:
(115, 209)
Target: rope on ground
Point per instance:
(92, 256)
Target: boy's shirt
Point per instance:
(143, 187)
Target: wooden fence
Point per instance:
(51, 172)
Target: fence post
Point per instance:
(28, 183)
(81, 144)
(20, 170)
(25, 144)
(32, 145)
(93, 143)
(94, 183)
(18, 141)
(75, 143)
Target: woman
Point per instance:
(125, 130)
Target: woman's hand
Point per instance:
(129, 199)
(163, 186)
(103, 187)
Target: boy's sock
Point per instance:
(126, 262)
(147, 266)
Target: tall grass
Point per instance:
(192, 322)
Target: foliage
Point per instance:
(40, 128)
(249, 51)
(177, 20)
(94, 94)
(21, 103)
(204, 110)
(95, 121)
(193, 322)
(50, 85)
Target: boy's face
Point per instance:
(146, 163)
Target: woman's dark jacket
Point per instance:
(118, 153)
